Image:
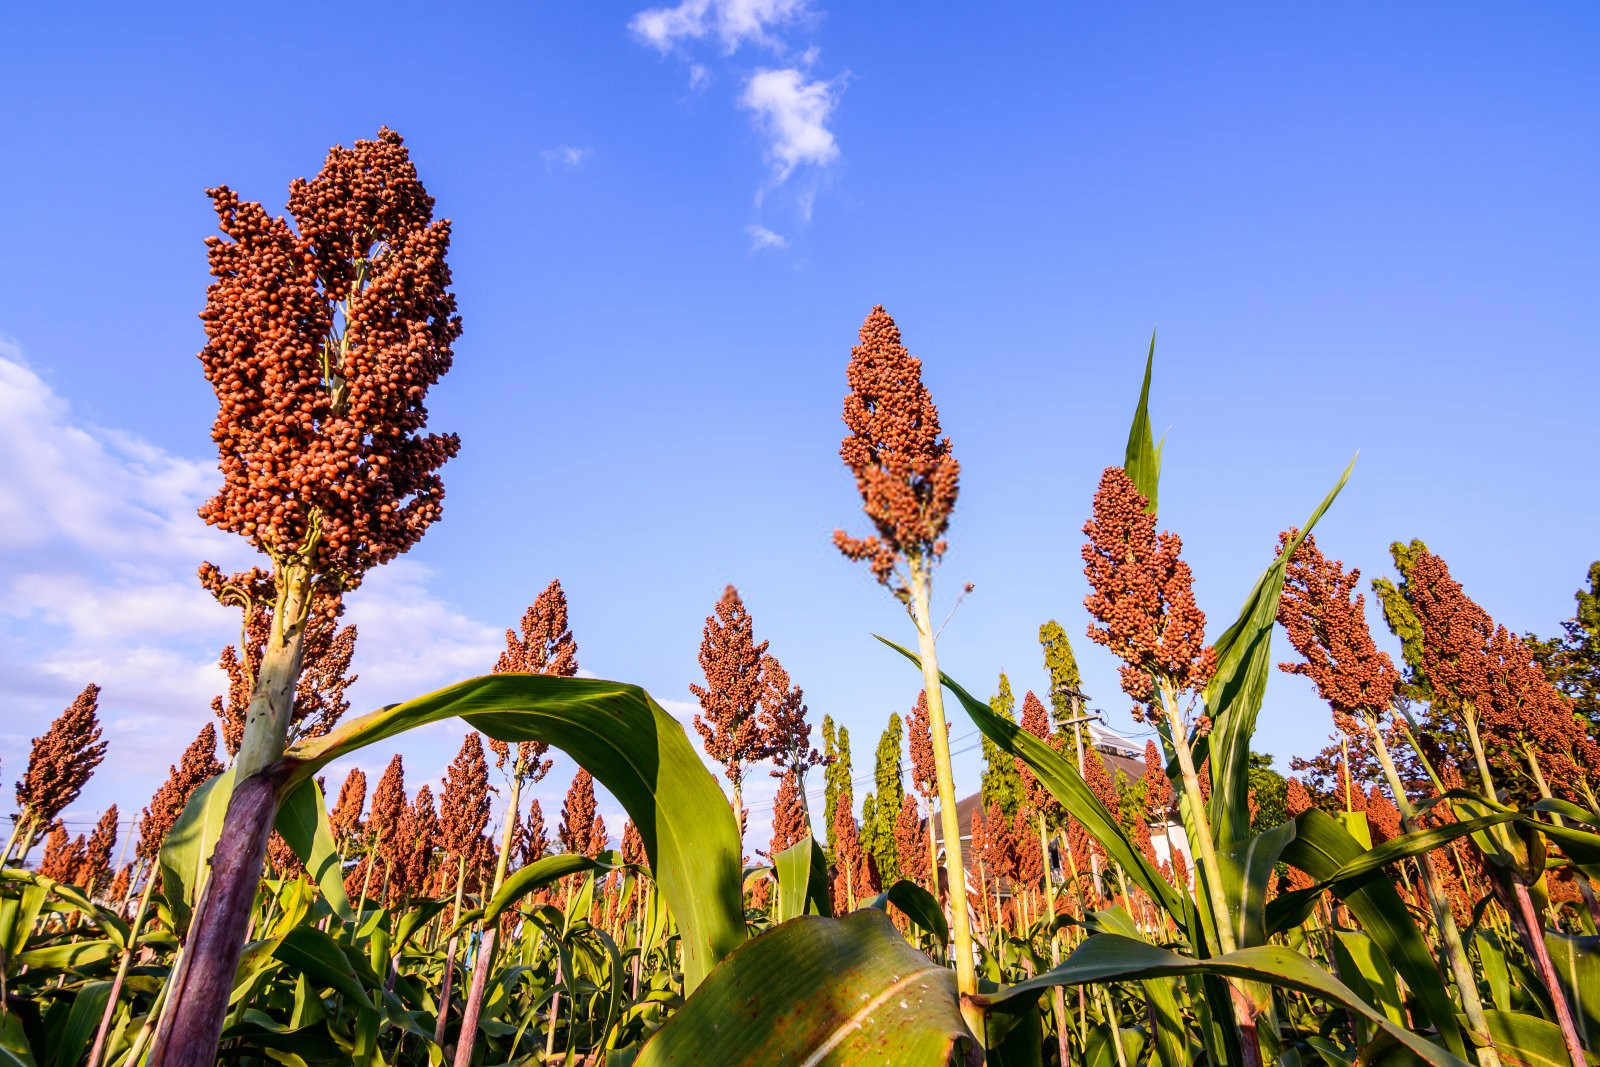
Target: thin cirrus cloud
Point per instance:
(568, 156)
(789, 107)
(761, 237)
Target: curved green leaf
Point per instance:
(540, 873)
(1527, 1040)
(186, 850)
(918, 905)
(317, 956)
(1064, 782)
(802, 872)
(1323, 848)
(1113, 958)
(303, 823)
(818, 991)
(112, 924)
(632, 747)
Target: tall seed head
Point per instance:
(735, 686)
(904, 469)
(63, 759)
(1142, 594)
(323, 339)
(198, 765)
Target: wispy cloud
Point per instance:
(732, 22)
(790, 107)
(761, 237)
(565, 155)
(793, 113)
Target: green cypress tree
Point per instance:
(1002, 784)
(1572, 660)
(869, 826)
(1403, 622)
(891, 793)
(836, 778)
(1066, 684)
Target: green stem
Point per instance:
(1443, 918)
(966, 973)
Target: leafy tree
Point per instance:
(1572, 660)
(1066, 684)
(1269, 791)
(1002, 784)
(891, 792)
(836, 778)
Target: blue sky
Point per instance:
(1362, 228)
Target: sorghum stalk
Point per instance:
(122, 974)
(1444, 919)
(480, 970)
(955, 872)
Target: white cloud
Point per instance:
(793, 113)
(565, 155)
(761, 237)
(732, 22)
(699, 77)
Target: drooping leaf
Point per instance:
(303, 823)
(1064, 782)
(632, 747)
(317, 956)
(918, 905)
(1322, 848)
(542, 872)
(818, 991)
(1113, 958)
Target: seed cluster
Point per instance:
(1470, 660)
(322, 340)
(904, 469)
(1327, 624)
(582, 831)
(910, 841)
(345, 818)
(464, 803)
(735, 687)
(62, 759)
(788, 813)
(545, 646)
(1142, 594)
(919, 739)
(1036, 799)
(198, 765)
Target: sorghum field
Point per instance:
(1422, 891)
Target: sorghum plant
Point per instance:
(908, 479)
(60, 763)
(322, 340)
